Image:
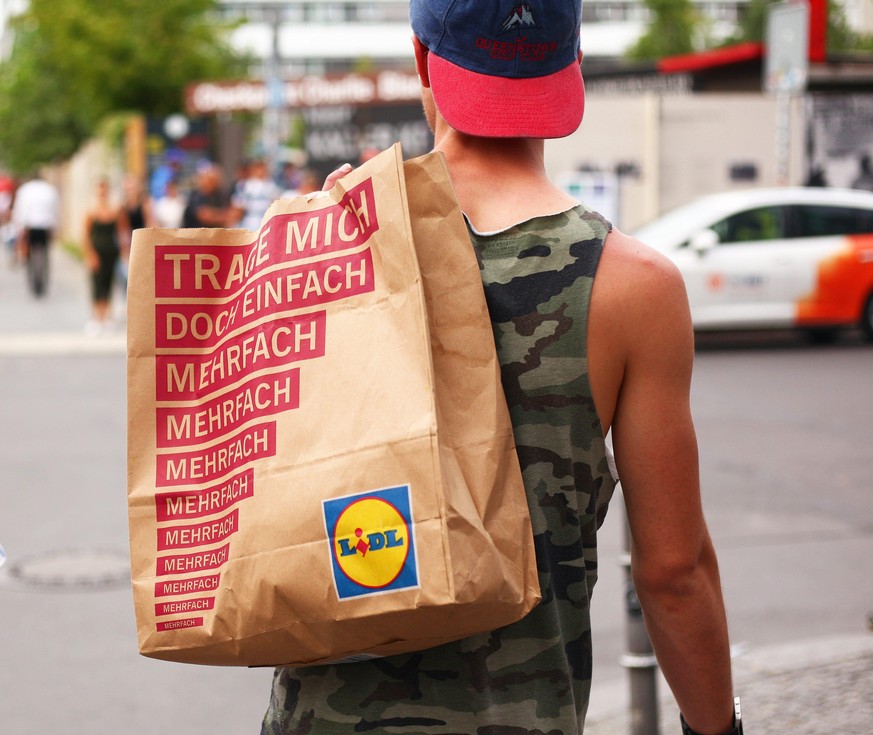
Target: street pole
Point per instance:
(639, 658)
(783, 137)
(786, 67)
(272, 122)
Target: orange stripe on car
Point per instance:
(845, 281)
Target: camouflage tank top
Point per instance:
(533, 676)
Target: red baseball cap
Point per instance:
(503, 69)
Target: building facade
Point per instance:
(321, 36)
(650, 141)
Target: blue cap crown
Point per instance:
(504, 39)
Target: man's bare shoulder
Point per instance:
(636, 272)
(640, 294)
(639, 320)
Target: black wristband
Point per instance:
(737, 729)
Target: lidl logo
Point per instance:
(372, 542)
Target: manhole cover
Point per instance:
(72, 569)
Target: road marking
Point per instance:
(61, 343)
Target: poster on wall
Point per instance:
(840, 140)
(339, 133)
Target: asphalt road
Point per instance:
(785, 432)
(67, 632)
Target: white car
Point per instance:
(773, 258)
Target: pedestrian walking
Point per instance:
(169, 208)
(209, 204)
(289, 177)
(105, 229)
(593, 334)
(138, 210)
(7, 229)
(137, 203)
(169, 168)
(254, 194)
(864, 180)
(35, 214)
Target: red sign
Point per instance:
(386, 87)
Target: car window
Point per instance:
(762, 223)
(817, 220)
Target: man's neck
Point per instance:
(499, 182)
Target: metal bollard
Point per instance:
(639, 658)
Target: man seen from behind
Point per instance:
(593, 334)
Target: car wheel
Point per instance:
(821, 335)
(867, 319)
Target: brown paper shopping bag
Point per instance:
(321, 464)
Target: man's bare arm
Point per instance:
(674, 563)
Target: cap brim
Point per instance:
(496, 107)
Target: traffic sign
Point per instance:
(787, 47)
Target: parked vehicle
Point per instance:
(773, 258)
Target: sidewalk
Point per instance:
(53, 324)
(809, 687)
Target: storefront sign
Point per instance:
(387, 87)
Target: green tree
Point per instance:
(75, 63)
(840, 36)
(753, 23)
(38, 123)
(672, 30)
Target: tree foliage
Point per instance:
(673, 28)
(74, 63)
(38, 122)
(840, 36)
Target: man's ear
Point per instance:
(421, 61)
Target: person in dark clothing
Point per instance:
(138, 208)
(137, 204)
(209, 204)
(864, 179)
(106, 226)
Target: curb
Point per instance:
(61, 344)
(805, 687)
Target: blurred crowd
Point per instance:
(206, 197)
(173, 196)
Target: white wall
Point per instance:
(682, 144)
(77, 179)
